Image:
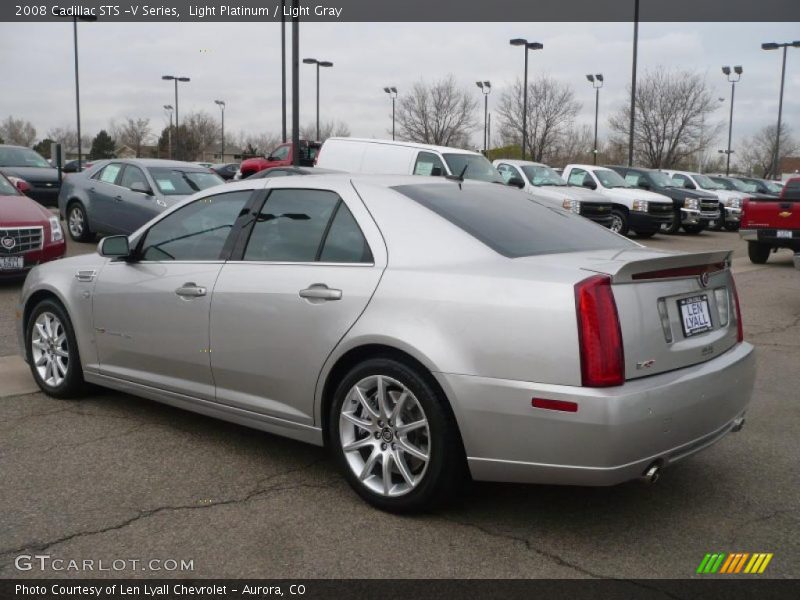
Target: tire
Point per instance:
(645, 234)
(694, 229)
(731, 225)
(356, 420)
(758, 252)
(716, 225)
(619, 221)
(78, 223)
(52, 351)
(675, 225)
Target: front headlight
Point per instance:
(692, 204)
(736, 203)
(56, 235)
(572, 205)
(640, 205)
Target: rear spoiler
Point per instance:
(670, 266)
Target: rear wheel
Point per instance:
(78, 223)
(758, 252)
(53, 351)
(694, 229)
(394, 438)
(619, 221)
(732, 225)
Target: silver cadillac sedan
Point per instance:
(422, 329)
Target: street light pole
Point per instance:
(169, 109)
(486, 89)
(319, 63)
(596, 79)
(392, 91)
(77, 80)
(773, 46)
(176, 79)
(528, 46)
(633, 80)
(221, 104)
(733, 80)
(295, 83)
(283, 71)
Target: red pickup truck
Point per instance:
(279, 157)
(769, 224)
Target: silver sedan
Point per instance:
(423, 329)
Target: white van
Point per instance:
(385, 157)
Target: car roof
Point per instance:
(587, 167)
(518, 162)
(157, 162)
(417, 145)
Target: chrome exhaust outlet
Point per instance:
(651, 474)
(738, 423)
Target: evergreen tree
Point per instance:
(103, 146)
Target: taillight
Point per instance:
(739, 330)
(599, 334)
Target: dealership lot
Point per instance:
(113, 477)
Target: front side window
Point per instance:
(306, 226)
(578, 176)
(197, 231)
(280, 153)
(428, 164)
(507, 172)
(610, 179)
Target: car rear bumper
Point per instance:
(616, 432)
(770, 237)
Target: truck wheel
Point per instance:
(619, 221)
(694, 229)
(716, 225)
(675, 225)
(758, 252)
(732, 225)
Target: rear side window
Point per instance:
(109, 173)
(345, 243)
(510, 222)
(791, 190)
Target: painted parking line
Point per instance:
(15, 377)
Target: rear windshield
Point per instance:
(510, 222)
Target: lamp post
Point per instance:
(392, 91)
(633, 80)
(527, 46)
(75, 20)
(774, 46)
(169, 109)
(733, 79)
(176, 79)
(283, 71)
(597, 83)
(221, 104)
(486, 89)
(319, 63)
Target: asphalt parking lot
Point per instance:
(111, 477)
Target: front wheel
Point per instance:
(674, 225)
(619, 221)
(758, 252)
(394, 437)
(53, 351)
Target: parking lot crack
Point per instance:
(257, 492)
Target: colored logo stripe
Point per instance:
(719, 562)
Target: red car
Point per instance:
(772, 223)
(279, 157)
(29, 233)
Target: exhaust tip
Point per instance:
(738, 423)
(651, 473)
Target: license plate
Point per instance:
(783, 233)
(12, 263)
(695, 316)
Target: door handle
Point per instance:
(190, 290)
(320, 291)
(118, 198)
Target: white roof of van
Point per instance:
(406, 144)
(517, 162)
(588, 167)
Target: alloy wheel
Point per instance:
(76, 222)
(385, 437)
(616, 224)
(49, 349)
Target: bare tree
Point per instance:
(440, 113)
(758, 152)
(573, 145)
(257, 144)
(551, 110)
(326, 129)
(18, 131)
(204, 129)
(132, 132)
(672, 125)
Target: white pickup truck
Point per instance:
(633, 209)
(545, 185)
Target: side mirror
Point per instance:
(141, 187)
(436, 171)
(114, 246)
(516, 182)
(642, 183)
(23, 186)
(688, 185)
(589, 183)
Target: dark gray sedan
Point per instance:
(120, 195)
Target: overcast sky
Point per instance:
(122, 63)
